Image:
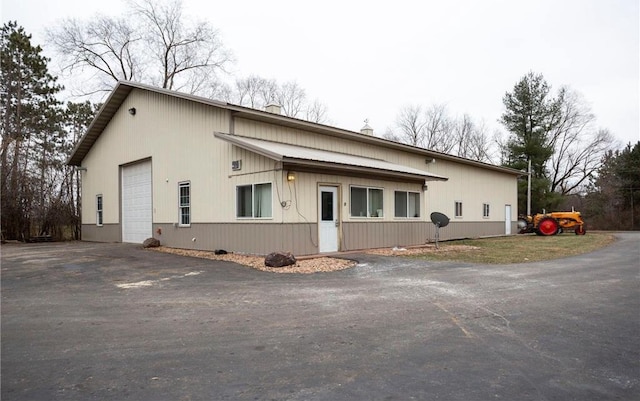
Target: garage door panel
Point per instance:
(136, 203)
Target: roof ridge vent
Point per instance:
(273, 107)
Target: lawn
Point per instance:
(519, 248)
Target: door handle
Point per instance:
(337, 223)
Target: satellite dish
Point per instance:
(440, 220)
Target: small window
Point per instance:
(407, 204)
(367, 202)
(99, 210)
(458, 208)
(184, 202)
(485, 210)
(326, 205)
(254, 201)
(358, 202)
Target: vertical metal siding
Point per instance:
(105, 233)
(251, 238)
(389, 234)
(178, 135)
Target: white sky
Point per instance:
(368, 59)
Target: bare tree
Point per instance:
(317, 112)
(188, 54)
(254, 91)
(268, 91)
(410, 126)
(218, 90)
(500, 140)
(434, 129)
(578, 147)
(108, 47)
(292, 98)
(439, 129)
(472, 140)
(464, 130)
(430, 128)
(159, 46)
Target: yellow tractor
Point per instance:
(552, 223)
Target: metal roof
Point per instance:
(300, 156)
(123, 88)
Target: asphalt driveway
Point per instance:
(83, 321)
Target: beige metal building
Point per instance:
(201, 174)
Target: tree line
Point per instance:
(156, 44)
(573, 162)
(39, 192)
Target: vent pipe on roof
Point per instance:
(273, 107)
(366, 130)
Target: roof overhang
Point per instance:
(319, 161)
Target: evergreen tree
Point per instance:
(627, 170)
(78, 117)
(30, 131)
(613, 198)
(530, 117)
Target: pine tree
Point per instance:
(531, 115)
(613, 199)
(30, 131)
(78, 117)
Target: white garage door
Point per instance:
(136, 202)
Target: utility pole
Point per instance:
(529, 189)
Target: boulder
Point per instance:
(279, 259)
(151, 243)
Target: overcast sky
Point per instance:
(368, 59)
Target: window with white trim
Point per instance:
(367, 202)
(99, 210)
(254, 201)
(184, 203)
(458, 209)
(407, 204)
(485, 210)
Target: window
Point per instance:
(407, 204)
(98, 210)
(485, 210)
(253, 201)
(458, 207)
(366, 202)
(184, 202)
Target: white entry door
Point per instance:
(507, 219)
(136, 202)
(328, 219)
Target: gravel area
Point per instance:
(306, 266)
(421, 250)
(313, 265)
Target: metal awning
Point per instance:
(318, 160)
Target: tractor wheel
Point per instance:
(580, 230)
(548, 226)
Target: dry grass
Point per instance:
(519, 248)
(498, 250)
